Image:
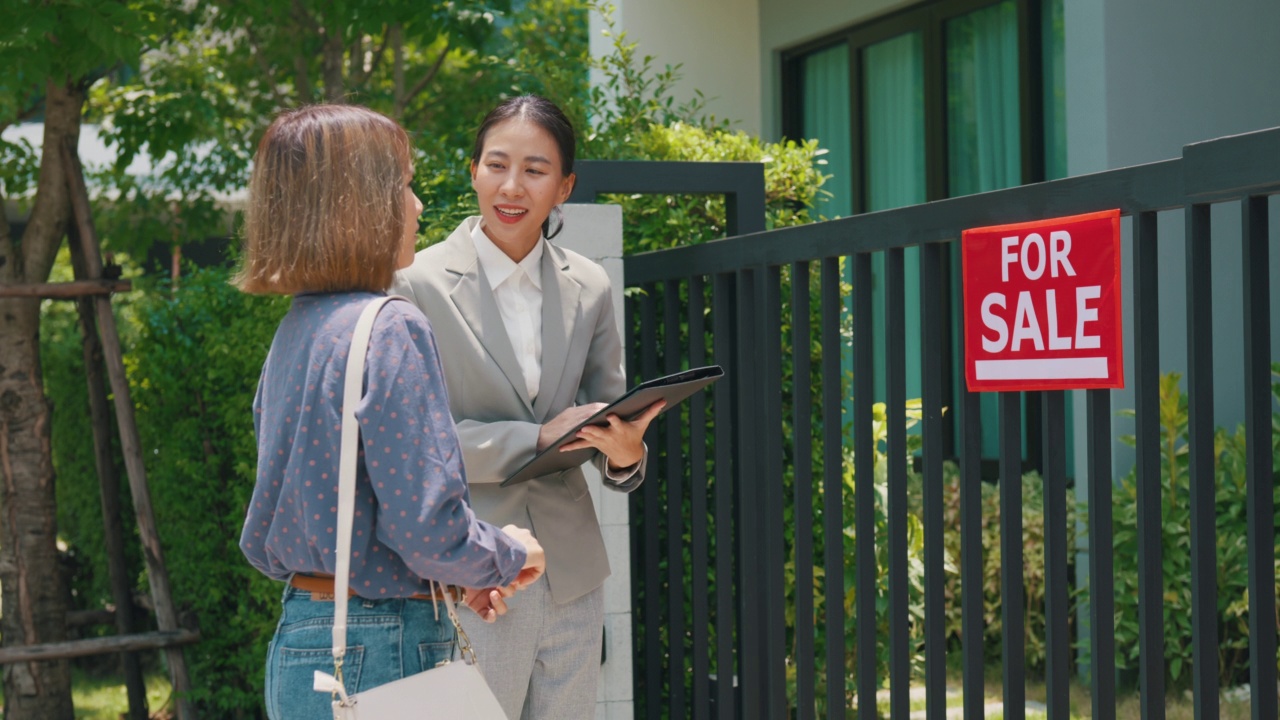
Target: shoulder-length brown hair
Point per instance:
(326, 202)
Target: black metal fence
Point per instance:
(740, 535)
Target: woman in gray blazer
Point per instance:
(530, 348)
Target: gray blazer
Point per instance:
(497, 423)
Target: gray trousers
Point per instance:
(542, 659)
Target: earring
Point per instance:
(557, 213)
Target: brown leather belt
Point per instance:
(322, 585)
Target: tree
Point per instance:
(50, 54)
(193, 85)
(201, 101)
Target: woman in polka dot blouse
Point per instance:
(331, 217)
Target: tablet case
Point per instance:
(672, 388)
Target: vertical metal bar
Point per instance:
(802, 487)
(1056, 611)
(1258, 463)
(673, 484)
(864, 523)
(1032, 417)
(1011, 590)
(1204, 581)
(833, 490)
(653, 650)
(1146, 359)
(751, 615)
(635, 510)
(745, 207)
(774, 550)
(931, 348)
(723, 320)
(971, 598)
(699, 490)
(1102, 603)
(896, 452)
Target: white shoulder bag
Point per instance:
(455, 689)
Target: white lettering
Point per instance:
(1059, 247)
(1025, 325)
(1055, 341)
(994, 322)
(1006, 257)
(1085, 314)
(1033, 239)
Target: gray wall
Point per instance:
(596, 232)
(717, 43)
(1144, 78)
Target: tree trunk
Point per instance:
(395, 39)
(335, 50)
(34, 600)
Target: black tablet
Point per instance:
(672, 388)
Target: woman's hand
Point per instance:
(556, 427)
(535, 562)
(488, 603)
(622, 441)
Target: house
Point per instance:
(921, 101)
(927, 100)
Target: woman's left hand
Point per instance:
(488, 603)
(622, 441)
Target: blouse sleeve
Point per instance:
(411, 451)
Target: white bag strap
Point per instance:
(349, 453)
(347, 475)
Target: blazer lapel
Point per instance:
(473, 299)
(560, 310)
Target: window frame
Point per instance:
(930, 20)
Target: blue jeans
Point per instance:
(386, 640)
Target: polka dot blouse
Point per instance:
(412, 518)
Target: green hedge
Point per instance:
(193, 356)
(193, 371)
(1231, 510)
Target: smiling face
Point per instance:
(518, 180)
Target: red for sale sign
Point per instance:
(1042, 304)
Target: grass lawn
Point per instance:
(102, 697)
(1128, 705)
(105, 698)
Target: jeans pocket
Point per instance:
(291, 674)
(434, 654)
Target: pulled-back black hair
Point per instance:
(546, 115)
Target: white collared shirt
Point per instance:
(517, 288)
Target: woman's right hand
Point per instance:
(568, 419)
(535, 562)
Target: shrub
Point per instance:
(1033, 570)
(193, 371)
(1232, 545)
(193, 356)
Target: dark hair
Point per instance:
(546, 115)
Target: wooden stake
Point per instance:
(66, 290)
(97, 646)
(166, 616)
(109, 488)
